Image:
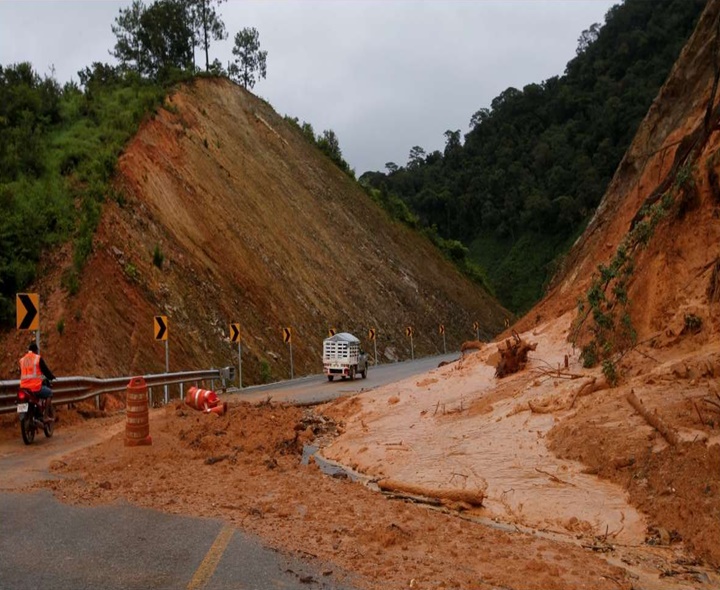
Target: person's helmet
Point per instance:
(32, 347)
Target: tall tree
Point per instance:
(416, 157)
(249, 60)
(128, 50)
(166, 35)
(206, 25)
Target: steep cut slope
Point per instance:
(253, 225)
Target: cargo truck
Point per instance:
(343, 357)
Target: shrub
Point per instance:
(264, 371)
(158, 257)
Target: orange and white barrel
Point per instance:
(204, 400)
(137, 424)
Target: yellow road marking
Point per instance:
(207, 568)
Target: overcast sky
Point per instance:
(384, 75)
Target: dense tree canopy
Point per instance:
(534, 166)
(160, 38)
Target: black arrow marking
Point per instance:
(235, 333)
(162, 327)
(30, 311)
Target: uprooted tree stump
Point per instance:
(513, 356)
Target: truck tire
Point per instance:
(351, 375)
(331, 377)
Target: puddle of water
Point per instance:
(329, 467)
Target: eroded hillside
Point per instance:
(253, 225)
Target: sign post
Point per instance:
(27, 311)
(235, 337)
(371, 336)
(441, 329)
(409, 333)
(160, 326)
(287, 337)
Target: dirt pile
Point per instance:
(225, 213)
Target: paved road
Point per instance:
(316, 388)
(47, 544)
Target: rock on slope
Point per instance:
(254, 225)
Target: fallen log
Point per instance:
(473, 498)
(668, 433)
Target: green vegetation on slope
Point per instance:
(58, 152)
(535, 165)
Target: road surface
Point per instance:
(47, 544)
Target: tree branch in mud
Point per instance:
(556, 374)
(668, 433)
(555, 478)
(587, 388)
(713, 403)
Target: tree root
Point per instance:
(591, 386)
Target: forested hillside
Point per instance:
(60, 143)
(535, 164)
(58, 151)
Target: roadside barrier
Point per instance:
(68, 390)
(137, 425)
(205, 400)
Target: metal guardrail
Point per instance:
(68, 390)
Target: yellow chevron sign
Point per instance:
(160, 325)
(27, 310)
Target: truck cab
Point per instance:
(343, 357)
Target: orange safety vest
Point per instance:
(30, 373)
